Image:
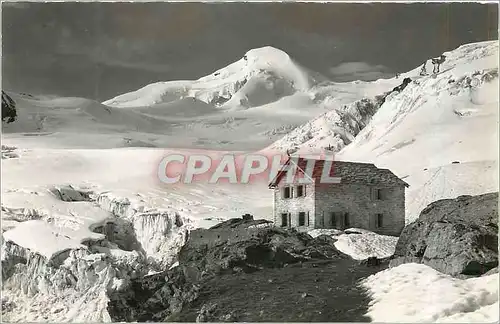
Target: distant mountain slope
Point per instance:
(338, 127)
(440, 132)
(244, 106)
(262, 76)
(75, 114)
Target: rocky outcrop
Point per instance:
(230, 250)
(455, 236)
(403, 85)
(245, 245)
(9, 113)
(152, 298)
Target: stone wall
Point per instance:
(295, 205)
(214, 237)
(362, 209)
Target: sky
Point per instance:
(101, 50)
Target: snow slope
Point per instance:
(360, 244)
(416, 293)
(185, 123)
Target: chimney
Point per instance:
(247, 217)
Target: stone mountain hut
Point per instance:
(363, 196)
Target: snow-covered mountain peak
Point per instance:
(264, 60)
(262, 76)
(267, 52)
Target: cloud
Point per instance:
(16, 5)
(351, 71)
(136, 54)
(151, 67)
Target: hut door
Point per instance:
(339, 220)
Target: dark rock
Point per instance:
(490, 272)
(238, 266)
(229, 318)
(206, 313)
(120, 232)
(455, 162)
(178, 220)
(247, 217)
(403, 85)
(351, 231)
(240, 223)
(70, 194)
(234, 244)
(152, 298)
(455, 236)
(9, 113)
(374, 262)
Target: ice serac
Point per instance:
(333, 130)
(76, 288)
(160, 232)
(262, 76)
(73, 261)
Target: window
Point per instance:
(300, 191)
(347, 222)
(287, 192)
(302, 219)
(333, 223)
(377, 194)
(284, 220)
(379, 220)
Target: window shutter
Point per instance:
(282, 192)
(304, 190)
(307, 220)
